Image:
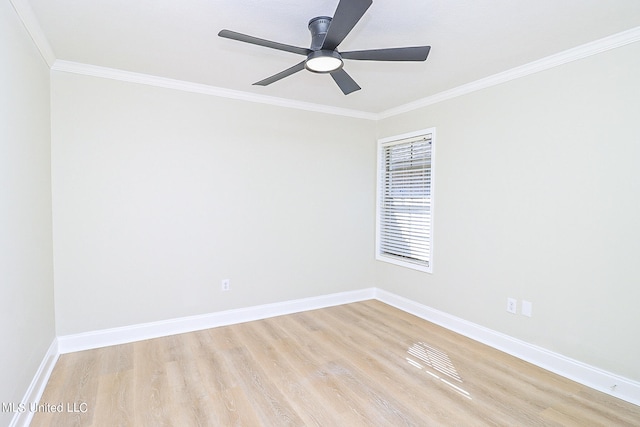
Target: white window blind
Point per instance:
(404, 201)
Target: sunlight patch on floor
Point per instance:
(429, 357)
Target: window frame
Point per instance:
(380, 173)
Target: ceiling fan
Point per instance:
(323, 57)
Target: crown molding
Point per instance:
(146, 79)
(593, 48)
(31, 24)
(570, 55)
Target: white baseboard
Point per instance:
(590, 376)
(127, 334)
(36, 388)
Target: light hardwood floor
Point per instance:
(361, 364)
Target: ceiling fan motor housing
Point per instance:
(318, 27)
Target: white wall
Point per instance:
(26, 277)
(160, 194)
(538, 198)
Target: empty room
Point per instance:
(332, 213)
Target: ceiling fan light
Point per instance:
(323, 61)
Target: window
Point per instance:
(405, 208)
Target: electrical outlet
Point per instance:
(226, 285)
(512, 305)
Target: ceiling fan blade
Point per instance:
(344, 81)
(281, 75)
(416, 53)
(262, 42)
(347, 15)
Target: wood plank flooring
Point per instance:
(361, 364)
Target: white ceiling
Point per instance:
(470, 40)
